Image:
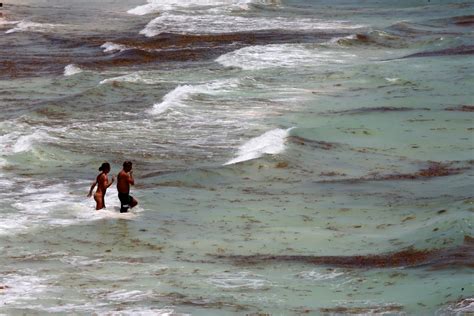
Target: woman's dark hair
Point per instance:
(105, 166)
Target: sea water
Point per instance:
(291, 157)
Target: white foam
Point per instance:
(166, 311)
(271, 142)
(27, 142)
(3, 162)
(154, 6)
(178, 95)
(393, 80)
(281, 55)
(239, 281)
(128, 296)
(21, 288)
(71, 70)
(136, 77)
(27, 26)
(318, 276)
(4, 21)
(80, 261)
(214, 23)
(110, 47)
(336, 40)
(42, 205)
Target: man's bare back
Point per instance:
(124, 180)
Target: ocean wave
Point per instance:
(154, 6)
(36, 205)
(319, 276)
(111, 47)
(376, 38)
(28, 26)
(41, 204)
(271, 142)
(4, 21)
(71, 70)
(464, 306)
(136, 77)
(27, 142)
(211, 24)
(178, 95)
(16, 142)
(239, 281)
(280, 55)
(22, 287)
(142, 312)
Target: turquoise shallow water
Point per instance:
(291, 157)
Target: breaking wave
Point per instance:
(271, 142)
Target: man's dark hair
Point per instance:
(127, 164)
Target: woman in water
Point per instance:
(102, 182)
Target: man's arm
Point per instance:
(131, 180)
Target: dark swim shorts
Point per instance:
(125, 200)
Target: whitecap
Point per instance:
(464, 306)
(128, 296)
(21, 288)
(4, 21)
(166, 311)
(154, 6)
(27, 142)
(80, 261)
(281, 55)
(71, 70)
(3, 162)
(177, 96)
(239, 281)
(319, 276)
(271, 142)
(28, 26)
(214, 23)
(110, 47)
(136, 77)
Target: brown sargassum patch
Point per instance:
(461, 255)
(462, 108)
(434, 169)
(459, 50)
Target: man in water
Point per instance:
(124, 180)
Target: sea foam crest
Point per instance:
(239, 281)
(154, 6)
(271, 142)
(135, 77)
(28, 26)
(178, 95)
(71, 70)
(319, 276)
(22, 287)
(206, 23)
(4, 21)
(27, 142)
(110, 47)
(281, 55)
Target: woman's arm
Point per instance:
(92, 188)
(109, 184)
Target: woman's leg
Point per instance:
(99, 200)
